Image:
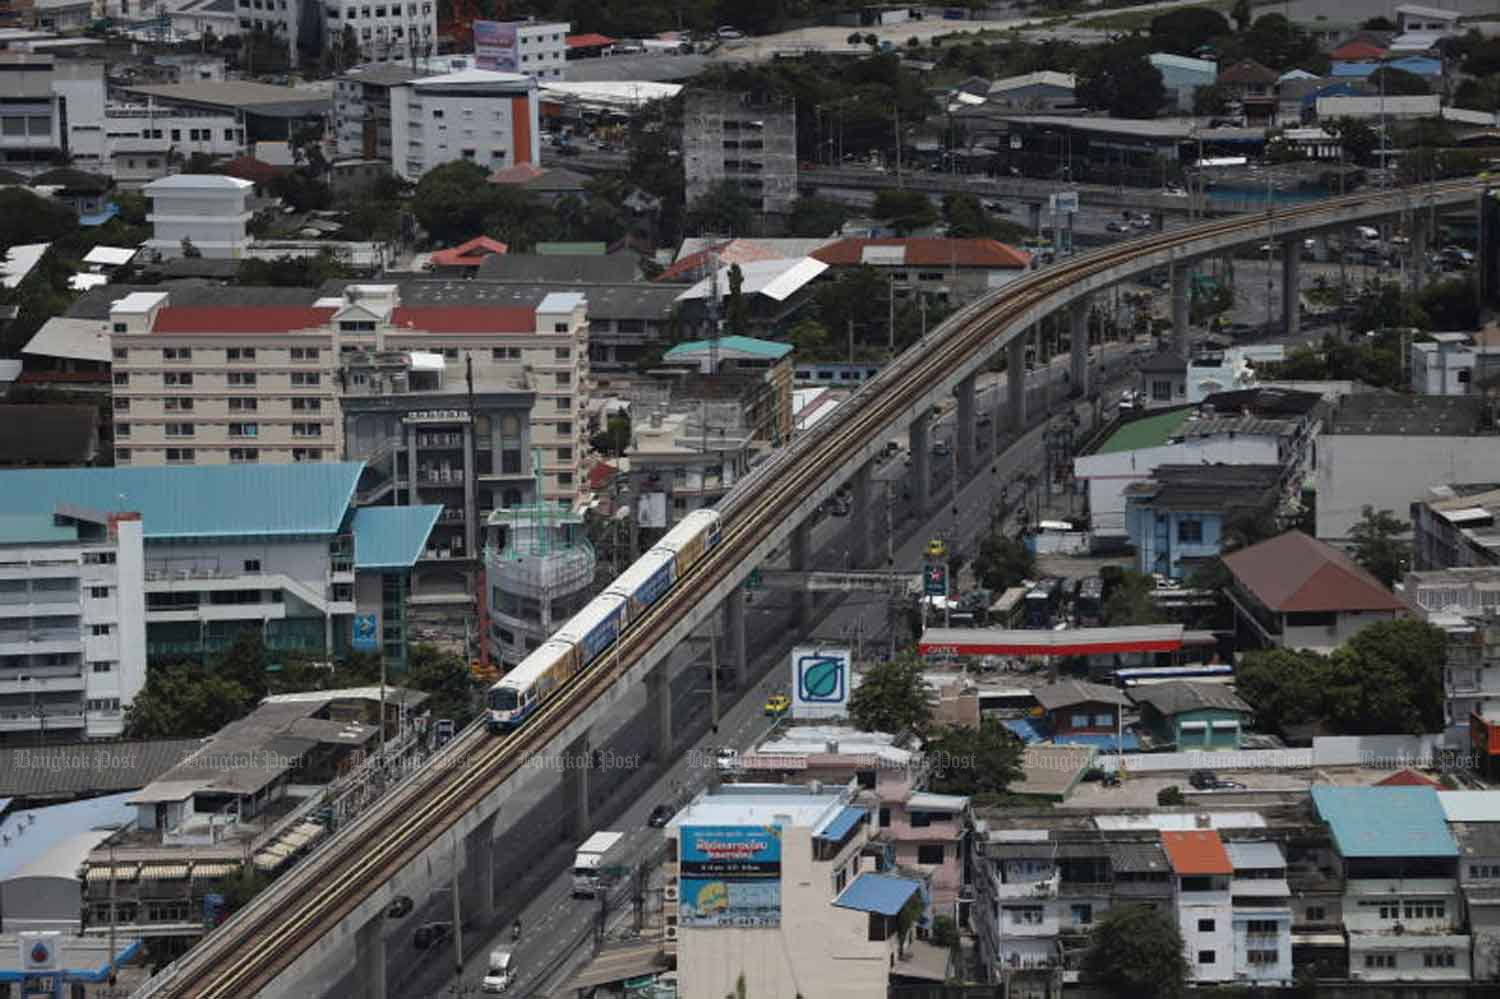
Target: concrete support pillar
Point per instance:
(411, 465)
(1015, 382)
(1036, 217)
(921, 465)
(734, 631)
(479, 872)
(1291, 285)
(581, 758)
(1421, 234)
(1182, 277)
(797, 561)
(659, 694)
(471, 496)
(369, 958)
(859, 511)
(965, 417)
(1078, 337)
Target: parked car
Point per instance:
(941, 449)
(429, 935)
(1117, 227)
(727, 759)
(400, 906)
(726, 32)
(660, 816)
(1207, 780)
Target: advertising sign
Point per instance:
(366, 636)
(495, 46)
(820, 682)
(1066, 202)
(651, 510)
(39, 950)
(731, 876)
(935, 580)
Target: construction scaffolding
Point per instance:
(546, 551)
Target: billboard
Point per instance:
(495, 46)
(730, 876)
(651, 510)
(820, 682)
(366, 633)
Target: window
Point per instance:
(241, 378)
(307, 430)
(120, 327)
(179, 456)
(564, 403)
(122, 456)
(252, 565)
(1023, 915)
(1315, 914)
(1426, 910)
(1380, 960)
(1161, 391)
(175, 404)
(183, 378)
(1206, 957)
(565, 478)
(122, 405)
(564, 454)
(885, 818)
(357, 326)
(179, 430)
(306, 379)
(121, 378)
(451, 353)
(240, 353)
(1438, 959)
(304, 353)
(1484, 871)
(1261, 927)
(99, 558)
(1083, 915)
(1265, 958)
(306, 453)
(99, 630)
(121, 353)
(563, 353)
(244, 429)
(565, 429)
(242, 404)
(1205, 926)
(177, 354)
(559, 327)
(307, 405)
(98, 592)
(564, 380)
(104, 666)
(930, 854)
(1190, 531)
(244, 455)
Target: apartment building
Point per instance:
(72, 623)
(209, 212)
(1463, 602)
(474, 114)
(726, 138)
(539, 571)
(185, 396)
(542, 49)
(1201, 872)
(684, 461)
(389, 31)
(1453, 526)
(1261, 913)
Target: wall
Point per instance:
(1320, 638)
(1356, 470)
(1207, 909)
(1158, 548)
(1281, 942)
(1384, 751)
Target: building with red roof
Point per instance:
(1357, 51)
(466, 257)
(956, 269)
(589, 43)
(1297, 592)
(1408, 777)
(1201, 870)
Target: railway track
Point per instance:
(268, 935)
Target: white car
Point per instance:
(727, 759)
(729, 33)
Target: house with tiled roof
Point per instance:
(1201, 872)
(465, 258)
(1357, 50)
(947, 269)
(1254, 86)
(1296, 592)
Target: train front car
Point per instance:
(520, 692)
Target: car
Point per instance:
(937, 548)
(940, 449)
(1117, 227)
(1141, 222)
(429, 935)
(777, 705)
(729, 33)
(660, 816)
(1203, 779)
(400, 906)
(727, 759)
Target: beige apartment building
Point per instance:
(246, 381)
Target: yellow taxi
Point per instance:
(777, 705)
(937, 548)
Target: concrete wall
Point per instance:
(1357, 470)
(1386, 751)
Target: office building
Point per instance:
(476, 115)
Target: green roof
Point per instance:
(571, 249)
(1149, 431)
(200, 501)
(391, 537)
(33, 528)
(733, 345)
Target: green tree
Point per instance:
(1119, 79)
(970, 761)
(906, 211)
(1242, 14)
(1130, 602)
(1357, 137)
(858, 295)
(1397, 666)
(185, 702)
(816, 217)
(1003, 562)
(1378, 546)
(1185, 30)
(1284, 686)
(615, 437)
(244, 663)
(1135, 951)
(1384, 306)
(966, 217)
(723, 209)
(811, 341)
(1451, 305)
(33, 219)
(1211, 99)
(1398, 83)
(892, 697)
(737, 309)
(1170, 797)
(451, 201)
(446, 678)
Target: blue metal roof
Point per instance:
(391, 537)
(1099, 741)
(32, 528)
(32, 833)
(1358, 70)
(202, 501)
(1025, 729)
(1385, 821)
(841, 824)
(733, 344)
(878, 893)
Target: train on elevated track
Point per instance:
(595, 629)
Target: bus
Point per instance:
(1041, 602)
(1008, 611)
(1217, 673)
(1088, 608)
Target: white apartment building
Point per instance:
(812, 918)
(1262, 914)
(138, 138)
(1201, 871)
(542, 50)
(477, 115)
(210, 211)
(246, 383)
(1462, 602)
(385, 32)
(72, 623)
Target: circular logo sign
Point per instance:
(820, 679)
(40, 953)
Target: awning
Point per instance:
(1317, 940)
(163, 872)
(617, 963)
(1024, 729)
(268, 861)
(209, 871)
(878, 893)
(842, 824)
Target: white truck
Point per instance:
(595, 854)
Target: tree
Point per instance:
(904, 210)
(446, 678)
(737, 309)
(1135, 950)
(1377, 544)
(1187, 29)
(970, 761)
(1358, 139)
(1285, 686)
(184, 702)
(858, 296)
(1210, 99)
(450, 201)
(1170, 797)
(816, 217)
(1378, 24)
(244, 663)
(966, 217)
(1451, 305)
(1118, 78)
(32, 219)
(722, 209)
(892, 697)
(1130, 602)
(1003, 562)
(615, 437)
(1396, 668)
(811, 341)
(1242, 15)
(1398, 83)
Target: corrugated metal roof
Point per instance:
(841, 824)
(196, 502)
(1136, 857)
(878, 893)
(1294, 572)
(1197, 852)
(52, 841)
(1410, 821)
(1255, 856)
(80, 767)
(729, 346)
(24, 528)
(391, 537)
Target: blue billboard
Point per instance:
(731, 876)
(366, 633)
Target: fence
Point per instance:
(1390, 752)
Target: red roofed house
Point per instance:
(954, 270)
(1408, 778)
(465, 258)
(1357, 51)
(590, 43)
(1296, 592)
(695, 266)
(1201, 870)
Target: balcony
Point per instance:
(1043, 889)
(28, 720)
(42, 680)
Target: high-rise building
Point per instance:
(727, 138)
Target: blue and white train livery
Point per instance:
(593, 630)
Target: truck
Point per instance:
(593, 856)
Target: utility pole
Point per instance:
(891, 318)
(896, 110)
(458, 926)
(851, 340)
(713, 672)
